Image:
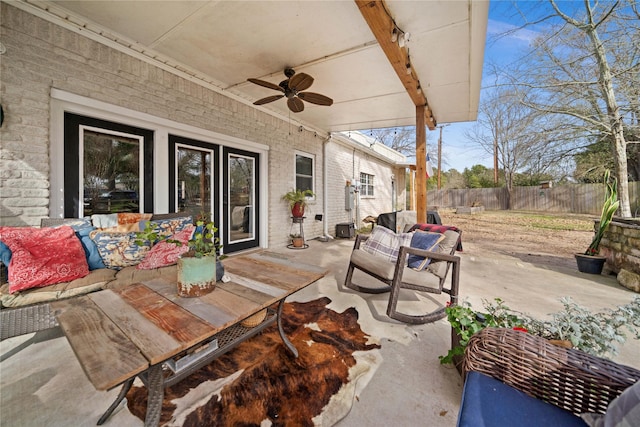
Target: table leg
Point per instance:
(292, 349)
(123, 392)
(155, 385)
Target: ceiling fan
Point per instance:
(293, 88)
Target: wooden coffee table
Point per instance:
(145, 330)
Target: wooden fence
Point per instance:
(572, 198)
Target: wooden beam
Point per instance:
(421, 166)
(382, 25)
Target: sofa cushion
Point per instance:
(168, 227)
(385, 243)
(43, 256)
(487, 402)
(5, 254)
(118, 249)
(94, 260)
(423, 240)
(166, 253)
(94, 281)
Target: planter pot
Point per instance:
(297, 242)
(196, 276)
(219, 270)
(297, 211)
(591, 264)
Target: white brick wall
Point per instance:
(41, 56)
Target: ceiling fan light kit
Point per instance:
(292, 88)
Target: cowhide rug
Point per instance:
(259, 383)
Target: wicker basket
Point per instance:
(254, 320)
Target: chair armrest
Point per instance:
(359, 239)
(568, 378)
(435, 256)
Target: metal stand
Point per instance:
(299, 221)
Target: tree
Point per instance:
(523, 139)
(581, 69)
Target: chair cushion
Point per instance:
(385, 243)
(426, 241)
(446, 246)
(373, 263)
(487, 402)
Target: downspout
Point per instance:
(325, 190)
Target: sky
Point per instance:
(457, 152)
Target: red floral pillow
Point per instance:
(164, 253)
(43, 256)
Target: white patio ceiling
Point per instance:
(227, 42)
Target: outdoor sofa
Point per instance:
(113, 258)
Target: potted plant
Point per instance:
(573, 326)
(297, 200)
(197, 267)
(297, 241)
(590, 261)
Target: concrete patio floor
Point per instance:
(43, 384)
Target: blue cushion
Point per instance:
(5, 254)
(487, 402)
(94, 260)
(422, 240)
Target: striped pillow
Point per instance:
(385, 243)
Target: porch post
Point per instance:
(421, 165)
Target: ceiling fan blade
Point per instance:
(315, 98)
(295, 104)
(268, 99)
(300, 82)
(266, 84)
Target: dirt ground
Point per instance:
(535, 237)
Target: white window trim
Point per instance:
(313, 171)
(63, 101)
(367, 196)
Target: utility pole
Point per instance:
(495, 161)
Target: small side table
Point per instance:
(300, 221)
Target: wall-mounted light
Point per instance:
(403, 39)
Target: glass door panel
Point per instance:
(241, 208)
(194, 181)
(241, 197)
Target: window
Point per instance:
(304, 172)
(111, 172)
(108, 167)
(366, 184)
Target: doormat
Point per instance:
(259, 382)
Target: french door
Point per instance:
(240, 199)
(193, 174)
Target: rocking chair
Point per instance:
(398, 275)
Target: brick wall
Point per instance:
(41, 55)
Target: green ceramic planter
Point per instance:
(196, 276)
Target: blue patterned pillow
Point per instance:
(118, 249)
(5, 254)
(426, 241)
(168, 227)
(385, 243)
